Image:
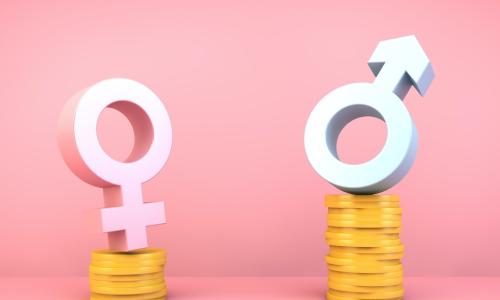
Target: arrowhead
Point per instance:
(404, 55)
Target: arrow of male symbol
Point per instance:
(400, 63)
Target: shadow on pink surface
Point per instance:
(248, 288)
(262, 288)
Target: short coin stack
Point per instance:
(364, 261)
(134, 275)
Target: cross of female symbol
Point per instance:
(126, 216)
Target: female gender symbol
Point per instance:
(126, 215)
(398, 64)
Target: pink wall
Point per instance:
(239, 81)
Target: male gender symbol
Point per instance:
(398, 64)
(126, 215)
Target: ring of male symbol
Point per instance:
(342, 106)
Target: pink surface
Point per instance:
(239, 80)
(263, 288)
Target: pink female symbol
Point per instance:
(125, 216)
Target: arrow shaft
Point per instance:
(393, 78)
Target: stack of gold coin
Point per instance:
(364, 261)
(130, 275)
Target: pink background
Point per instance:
(239, 81)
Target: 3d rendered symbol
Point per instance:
(398, 64)
(364, 261)
(125, 216)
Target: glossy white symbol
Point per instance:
(126, 216)
(398, 64)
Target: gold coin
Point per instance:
(127, 290)
(362, 198)
(364, 216)
(363, 224)
(388, 249)
(124, 271)
(367, 268)
(131, 256)
(160, 298)
(125, 278)
(337, 297)
(371, 256)
(345, 287)
(364, 230)
(366, 296)
(374, 270)
(371, 218)
(349, 217)
(367, 211)
(360, 276)
(362, 235)
(362, 205)
(147, 296)
(365, 281)
(357, 261)
(125, 284)
(368, 243)
(124, 264)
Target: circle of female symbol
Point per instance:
(398, 64)
(126, 215)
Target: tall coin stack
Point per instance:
(136, 275)
(364, 261)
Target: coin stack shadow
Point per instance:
(127, 275)
(364, 261)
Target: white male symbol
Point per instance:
(398, 64)
(126, 215)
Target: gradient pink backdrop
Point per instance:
(239, 80)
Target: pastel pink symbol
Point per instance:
(126, 216)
